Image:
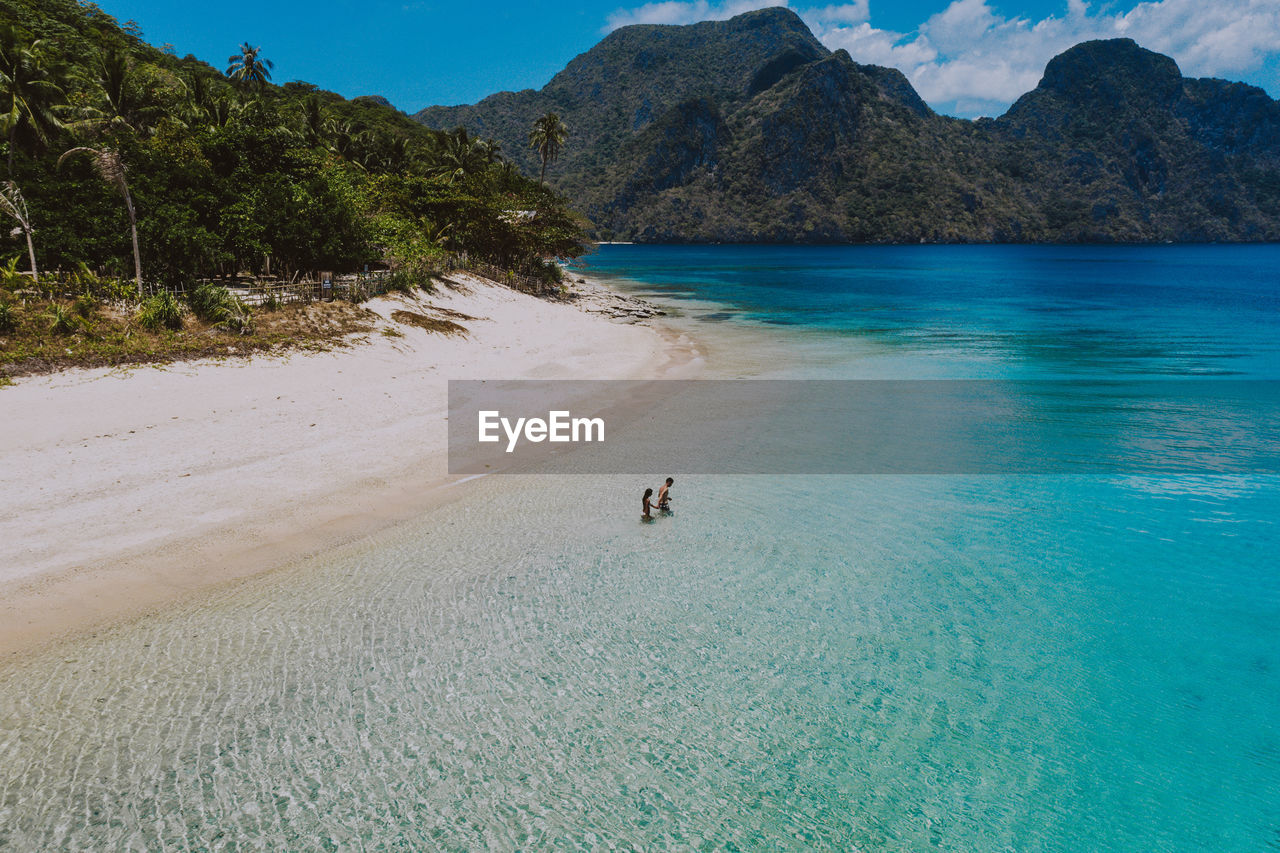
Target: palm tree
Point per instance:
(15, 205)
(249, 69)
(29, 98)
(199, 96)
(367, 150)
(461, 157)
(119, 110)
(399, 154)
(312, 129)
(222, 110)
(344, 138)
(548, 134)
(206, 101)
(488, 150)
(437, 233)
(110, 166)
(120, 106)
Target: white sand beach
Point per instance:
(122, 490)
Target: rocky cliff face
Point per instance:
(1116, 143)
(751, 130)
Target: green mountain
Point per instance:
(751, 130)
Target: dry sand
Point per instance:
(123, 490)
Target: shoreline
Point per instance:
(126, 491)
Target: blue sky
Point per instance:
(965, 57)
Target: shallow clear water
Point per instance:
(876, 663)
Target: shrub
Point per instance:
(86, 306)
(161, 311)
(209, 302)
(118, 290)
(8, 318)
(62, 321)
(239, 321)
(215, 304)
(85, 282)
(407, 280)
(10, 277)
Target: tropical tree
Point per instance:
(548, 134)
(207, 102)
(460, 157)
(397, 154)
(345, 140)
(119, 105)
(15, 205)
(111, 168)
(221, 111)
(248, 68)
(199, 96)
(29, 97)
(120, 110)
(313, 121)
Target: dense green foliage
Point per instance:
(230, 173)
(751, 130)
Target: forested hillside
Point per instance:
(751, 130)
(226, 171)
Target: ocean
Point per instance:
(1057, 662)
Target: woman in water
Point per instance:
(648, 493)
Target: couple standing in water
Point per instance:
(664, 500)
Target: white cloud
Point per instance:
(968, 59)
(869, 45)
(962, 23)
(846, 13)
(1207, 38)
(680, 12)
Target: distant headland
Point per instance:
(750, 130)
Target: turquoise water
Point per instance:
(1051, 663)
(982, 311)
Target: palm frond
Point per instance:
(12, 202)
(106, 161)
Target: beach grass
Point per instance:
(431, 324)
(50, 334)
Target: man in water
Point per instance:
(664, 496)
